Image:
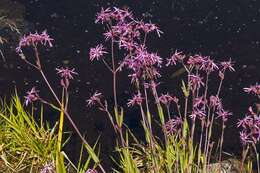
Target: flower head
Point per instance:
(176, 57)
(254, 89)
(103, 16)
(200, 113)
(136, 100)
(223, 115)
(208, 65)
(227, 65)
(66, 74)
(215, 101)
(166, 99)
(34, 40)
(172, 126)
(244, 137)
(196, 60)
(97, 52)
(31, 96)
(149, 27)
(95, 98)
(195, 82)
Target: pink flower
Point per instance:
(199, 102)
(97, 52)
(227, 65)
(136, 100)
(223, 114)
(172, 126)
(166, 99)
(103, 15)
(32, 96)
(34, 40)
(244, 137)
(143, 64)
(196, 61)
(250, 128)
(149, 27)
(208, 65)
(66, 72)
(254, 89)
(195, 82)
(121, 14)
(117, 14)
(176, 57)
(200, 113)
(95, 98)
(215, 102)
(66, 75)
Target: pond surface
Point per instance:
(219, 28)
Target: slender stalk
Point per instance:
(206, 86)
(168, 111)
(114, 73)
(66, 113)
(220, 84)
(243, 158)
(257, 158)
(221, 141)
(186, 99)
(199, 149)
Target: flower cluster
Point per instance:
(123, 29)
(143, 64)
(173, 125)
(196, 61)
(250, 124)
(117, 14)
(250, 128)
(167, 99)
(34, 40)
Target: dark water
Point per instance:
(220, 28)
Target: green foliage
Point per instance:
(25, 145)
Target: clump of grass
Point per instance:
(26, 145)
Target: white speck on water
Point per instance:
(54, 15)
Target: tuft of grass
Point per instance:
(26, 146)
